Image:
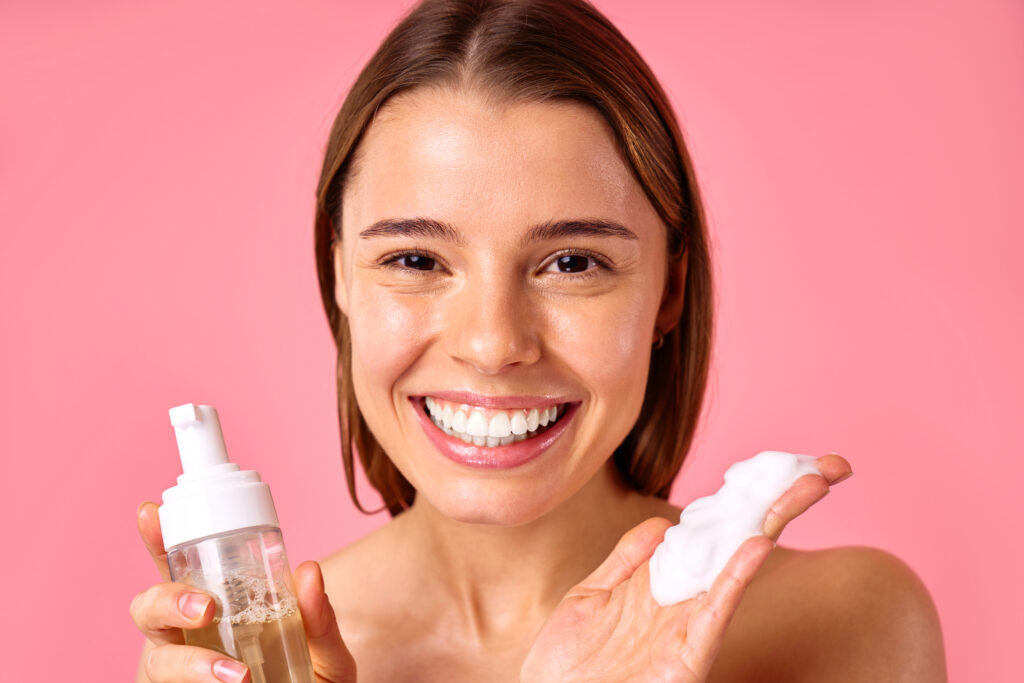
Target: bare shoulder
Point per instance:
(369, 593)
(842, 614)
(356, 569)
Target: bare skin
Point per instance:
(538, 572)
(844, 614)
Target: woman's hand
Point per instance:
(609, 628)
(163, 610)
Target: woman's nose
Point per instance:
(491, 328)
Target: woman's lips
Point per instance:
(496, 457)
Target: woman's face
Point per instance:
(501, 267)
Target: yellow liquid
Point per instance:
(275, 650)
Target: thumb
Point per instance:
(332, 661)
(632, 550)
(148, 521)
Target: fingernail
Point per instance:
(842, 478)
(229, 671)
(193, 605)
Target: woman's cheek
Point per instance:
(607, 343)
(388, 334)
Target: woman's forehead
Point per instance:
(455, 153)
(466, 115)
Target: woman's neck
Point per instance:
(494, 580)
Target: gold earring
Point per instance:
(659, 342)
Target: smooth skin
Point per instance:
(539, 572)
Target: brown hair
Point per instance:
(538, 50)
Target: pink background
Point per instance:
(862, 164)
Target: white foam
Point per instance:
(712, 528)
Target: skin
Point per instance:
(492, 318)
(539, 572)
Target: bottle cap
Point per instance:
(213, 495)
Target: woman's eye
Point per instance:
(573, 263)
(415, 262)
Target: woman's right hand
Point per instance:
(163, 610)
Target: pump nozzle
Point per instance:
(200, 440)
(213, 495)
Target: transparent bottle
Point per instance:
(221, 534)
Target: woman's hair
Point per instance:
(537, 51)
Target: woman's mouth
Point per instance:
(490, 436)
(489, 427)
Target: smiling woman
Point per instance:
(513, 261)
(514, 285)
(499, 53)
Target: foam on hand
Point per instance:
(712, 528)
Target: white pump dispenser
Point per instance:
(221, 535)
(212, 495)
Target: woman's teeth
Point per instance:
(490, 428)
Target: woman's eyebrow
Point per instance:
(428, 227)
(586, 227)
(413, 227)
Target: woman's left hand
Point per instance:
(609, 628)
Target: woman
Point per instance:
(513, 260)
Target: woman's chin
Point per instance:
(490, 503)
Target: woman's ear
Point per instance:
(672, 300)
(340, 290)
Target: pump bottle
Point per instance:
(222, 536)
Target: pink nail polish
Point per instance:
(229, 671)
(193, 605)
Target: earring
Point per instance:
(659, 342)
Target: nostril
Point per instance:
(489, 334)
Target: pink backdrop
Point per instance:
(862, 165)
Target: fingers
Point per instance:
(805, 492)
(185, 664)
(148, 521)
(707, 625)
(161, 611)
(834, 467)
(632, 550)
(330, 656)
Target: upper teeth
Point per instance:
(489, 427)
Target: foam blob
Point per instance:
(712, 528)
(255, 599)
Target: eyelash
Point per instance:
(599, 262)
(391, 260)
